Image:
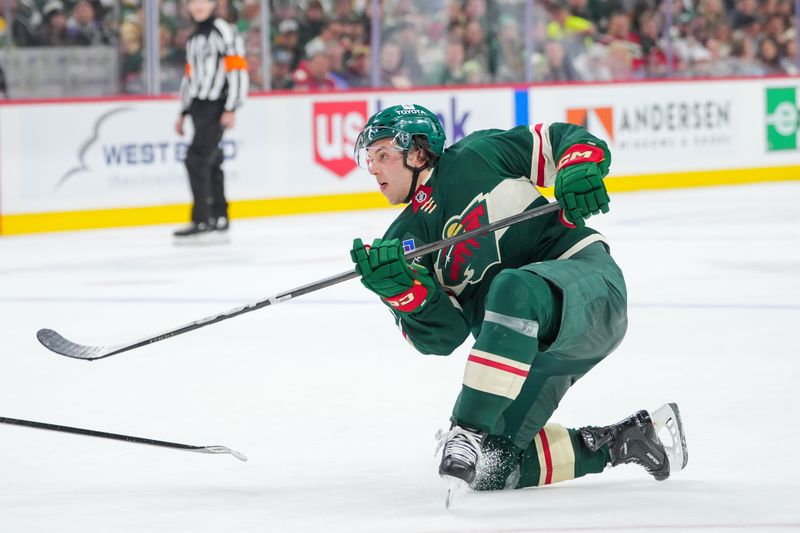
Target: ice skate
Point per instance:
(642, 439)
(460, 456)
(199, 233)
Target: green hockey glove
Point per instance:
(384, 271)
(579, 184)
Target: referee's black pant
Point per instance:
(204, 161)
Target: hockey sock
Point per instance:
(521, 309)
(556, 454)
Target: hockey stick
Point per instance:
(127, 438)
(55, 342)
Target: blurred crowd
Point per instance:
(325, 44)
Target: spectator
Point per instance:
(789, 60)
(393, 74)
(312, 22)
(751, 26)
(474, 73)
(25, 18)
(53, 31)
(619, 33)
(744, 14)
(723, 35)
(251, 16)
(331, 32)
(342, 9)
(355, 29)
(289, 38)
(649, 32)
(3, 85)
(591, 64)
(719, 56)
(554, 65)
(451, 72)
(131, 57)
(314, 73)
(713, 11)
(509, 52)
(785, 9)
(254, 70)
(619, 60)
(356, 69)
(284, 10)
(476, 47)
(743, 61)
(455, 14)
(335, 52)
(408, 38)
(173, 61)
(775, 29)
(281, 68)
(563, 25)
(769, 55)
(83, 27)
(475, 11)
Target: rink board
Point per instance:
(117, 162)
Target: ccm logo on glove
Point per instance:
(580, 153)
(410, 300)
(384, 270)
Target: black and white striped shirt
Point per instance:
(215, 66)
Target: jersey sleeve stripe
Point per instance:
(538, 156)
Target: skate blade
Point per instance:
(667, 418)
(453, 486)
(203, 239)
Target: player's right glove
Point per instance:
(384, 271)
(579, 184)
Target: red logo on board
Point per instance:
(335, 129)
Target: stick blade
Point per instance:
(222, 449)
(54, 342)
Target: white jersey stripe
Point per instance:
(581, 244)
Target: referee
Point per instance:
(213, 88)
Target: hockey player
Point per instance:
(213, 88)
(543, 298)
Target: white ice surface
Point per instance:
(337, 413)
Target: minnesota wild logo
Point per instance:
(467, 261)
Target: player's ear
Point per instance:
(418, 158)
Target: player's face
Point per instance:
(385, 162)
(200, 10)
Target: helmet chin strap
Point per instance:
(416, 171)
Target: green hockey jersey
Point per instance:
(487, 176)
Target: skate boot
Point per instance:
(460, 458)
(220, 224)
(200, 233)
(638, 440)
(192, 230)
(462, 451)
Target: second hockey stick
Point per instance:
(126, 438)
(55, 342)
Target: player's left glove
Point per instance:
(579, 184)
(384, 271)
